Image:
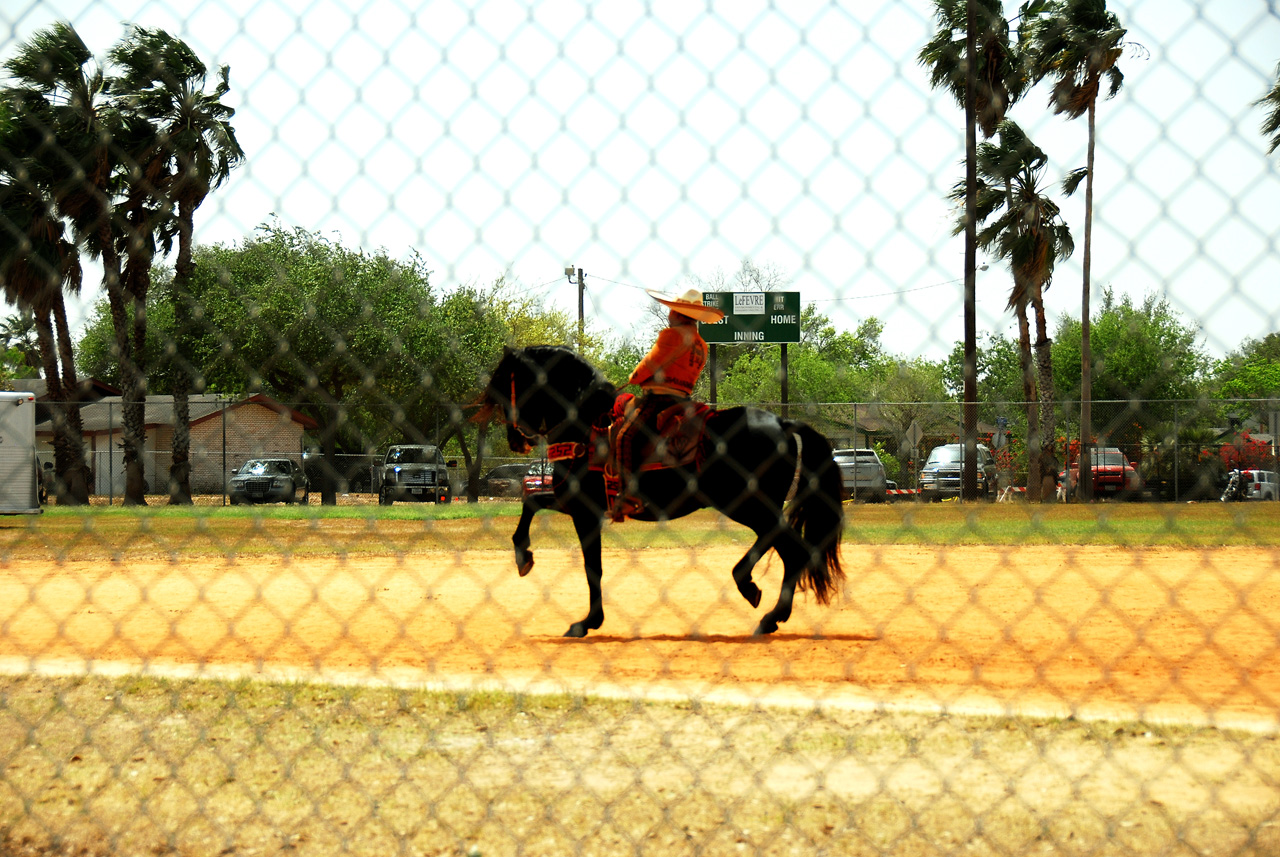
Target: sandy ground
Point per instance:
(1159, 634)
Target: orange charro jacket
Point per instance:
(674, 363)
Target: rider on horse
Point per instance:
(666, 377)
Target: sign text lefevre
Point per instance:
(753, 317)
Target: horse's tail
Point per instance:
(817, 514)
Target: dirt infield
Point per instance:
(1183, 635)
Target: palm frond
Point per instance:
(1071, 183)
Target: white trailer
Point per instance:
(18, 463)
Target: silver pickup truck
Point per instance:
(861, 474)
(411, 472)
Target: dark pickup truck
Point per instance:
(411, 472)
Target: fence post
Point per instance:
(111, 458)
(224, 452)
(1176, 452)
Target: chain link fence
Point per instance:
(342, 265)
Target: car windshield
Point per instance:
(1108, 459)
(866, 456)
(946, 455)
(265, 467)
(506, 471)
(409, 455)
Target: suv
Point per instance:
(1260, 485)
(943, 472)
(1113, 475)
(503, 480)
(269, 480)
(861, 474)
(411, 472)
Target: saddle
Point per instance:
(674, 440)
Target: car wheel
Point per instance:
(384, 497)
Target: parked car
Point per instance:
(412, 472)
(861, 474)
(1113, 475)
(1260, 485)
(269, 480)
(943, 472)
(537, 480)
(503, 480)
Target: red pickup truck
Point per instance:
(1113, 475)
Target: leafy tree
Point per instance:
(187, 147)
(999, 374)
(18, 334)
(1271, 122)
(1078, 43)
(825, 366)
(1143, 352)
(914, 390)
(359, 341)
(1251, 372)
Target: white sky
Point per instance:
(648, 142)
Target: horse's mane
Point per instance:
(563, 364)
(560, 369)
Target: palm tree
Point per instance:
(36, 263)
(1271, 124)
(1001, 77)
(985, 89)
(61, 95)
(1024, 227)
(194, 140)
(1078, 43)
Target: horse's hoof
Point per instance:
(577, 629)
(764, 629)
(753, 596)
(527, 567)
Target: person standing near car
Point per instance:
(666, 376)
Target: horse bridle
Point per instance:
(514, 422)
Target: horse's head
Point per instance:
(544, 391)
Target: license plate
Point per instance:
(416, 490)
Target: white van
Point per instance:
(19, 486)
(1260, 485)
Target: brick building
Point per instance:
(224, 432)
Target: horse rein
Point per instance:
(515, 410)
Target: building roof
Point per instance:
(90, 388)
(106, 414)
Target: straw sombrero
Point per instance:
(690, 304)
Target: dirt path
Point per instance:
(1184, 635)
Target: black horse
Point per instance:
(775, 476)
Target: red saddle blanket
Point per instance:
(674, 440)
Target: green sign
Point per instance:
(753, 317)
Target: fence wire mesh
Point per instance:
(283, 567)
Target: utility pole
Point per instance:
(969, 471)
(569, 271)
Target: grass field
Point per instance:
(117, 531)
(95, 765)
